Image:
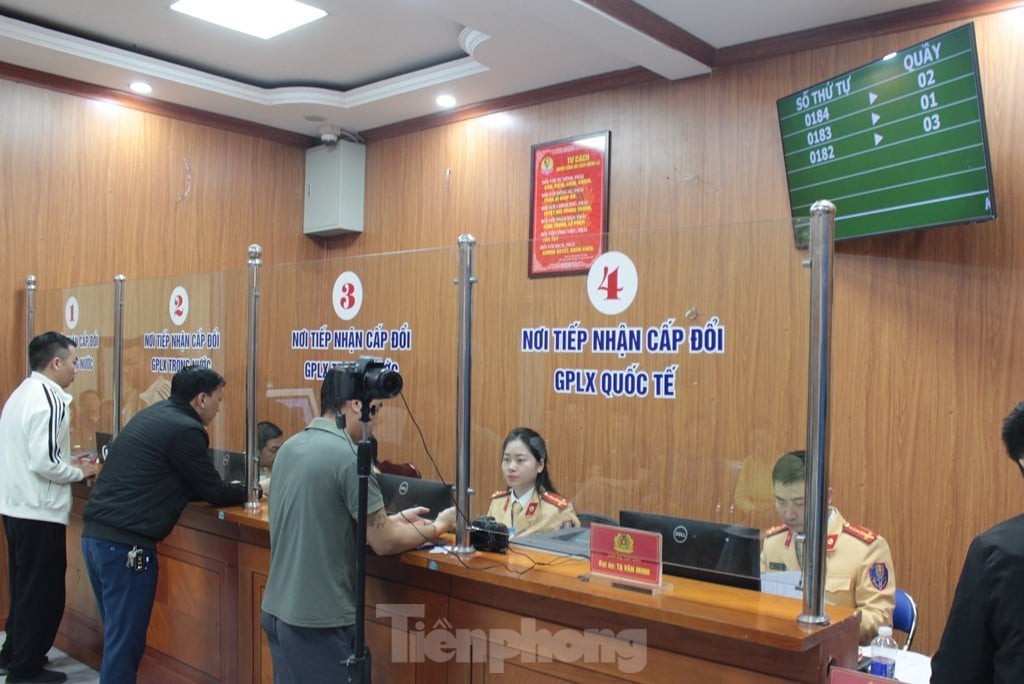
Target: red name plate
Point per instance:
(622, 553)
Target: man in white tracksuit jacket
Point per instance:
(36, 469)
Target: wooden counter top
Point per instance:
(219, 557)
(256, 518)
(686, 604)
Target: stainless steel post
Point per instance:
(823, 215)
(118, 350)
(252, 472)
(465, 362)
(30, 318)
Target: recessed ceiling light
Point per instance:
(446, 101)
(261, 18)
(140, 87)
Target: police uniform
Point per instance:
(545, 511)
(858, 569)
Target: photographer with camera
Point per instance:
(530, 504)
(310, 603)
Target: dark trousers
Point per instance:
(125, 599)
(37, 561)
(308, 655)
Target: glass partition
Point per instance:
(399, 307)
(667, 380)
(85, 314)
(188, 319)
(677, 403)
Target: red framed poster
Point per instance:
(569, 204)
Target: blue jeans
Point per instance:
(308, 655)
(125, 600)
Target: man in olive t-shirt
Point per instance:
(309, 603)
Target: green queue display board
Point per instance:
(896, 145)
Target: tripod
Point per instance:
(360, 663)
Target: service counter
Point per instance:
(485, 617)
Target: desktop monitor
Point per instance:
(400, 492)
(103, 440)
(702, 550)
(230, 465)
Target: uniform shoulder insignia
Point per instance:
(499, 494)
(775, 530)
(862, 533)
(555, 499)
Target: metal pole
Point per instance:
(118, 350)
(816, 487)
(252, 475)
(30, 318)
(462, 422)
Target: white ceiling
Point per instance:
(370, 63)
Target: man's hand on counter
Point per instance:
(430, 529)
(412, 516)
(445, 521)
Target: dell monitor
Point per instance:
(103, 440)
(230, 465)
(401, 492)
(702, 550)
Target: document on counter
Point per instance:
(781, 583)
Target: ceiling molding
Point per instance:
(583, 86)
(133, 62)
(637, 25)
(62, 84)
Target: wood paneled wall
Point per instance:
(924, 362)
(925, 366)
(89, 190)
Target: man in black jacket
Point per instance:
(157, 463)
(984, 636)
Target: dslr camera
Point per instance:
(487, 534)
(367, 379)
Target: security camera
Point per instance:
(329, 134)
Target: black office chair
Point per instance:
(587, 518)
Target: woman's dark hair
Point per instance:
(266, 431)
(535, 443)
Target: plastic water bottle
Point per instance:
(883, 653)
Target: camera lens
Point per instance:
(381, 383)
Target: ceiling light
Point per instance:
(260, 18)
(446, 101)
(140, 87)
